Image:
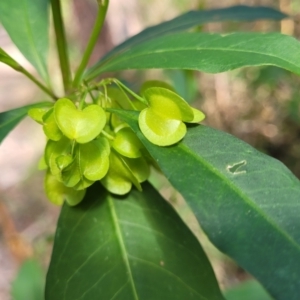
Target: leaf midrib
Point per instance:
(170, 274)
(13, 119)
(188, 23)
(242, 195)
(231, 186)
(122, 245)
(118, 61)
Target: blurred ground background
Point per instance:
(258, 105)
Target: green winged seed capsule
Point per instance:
(57, 192)
(159, 130)
(71, 175)
(162, 122)
(55, 149)
(42, 164)
(79, 125)
(90, 163)
(119, 178)
(198, 116)
(37, 114)
(127, 143)
(93, 159)
(50, 127)
(63, 161)
(168, 104)
(45, 117)
(83, 184)
(139, 167)
(155, 83)
(116, 180)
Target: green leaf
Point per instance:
(9, 119)
(131, 247)
(248, 290)
(29, 282)
(246, 201)
(189, 20)
(210, 53)
(26, 22)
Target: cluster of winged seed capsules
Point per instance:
(88, 143)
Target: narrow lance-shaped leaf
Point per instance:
(131, 247)
(210, 53)
(191, 19)
(26, 22)
(9, 119)
(246, 201)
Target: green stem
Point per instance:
(8, 60)
(103, 5)
(127, 99)
(38, 83)
(107, 135)
(90, 93)
(61, 44)
(82, 100)
(73, 147)
(124, 87)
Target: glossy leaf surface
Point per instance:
(9, 119)
(131, 247)
(26, 22)
(246, 201)
(210, 53)
(189, 20)
(248, 290)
